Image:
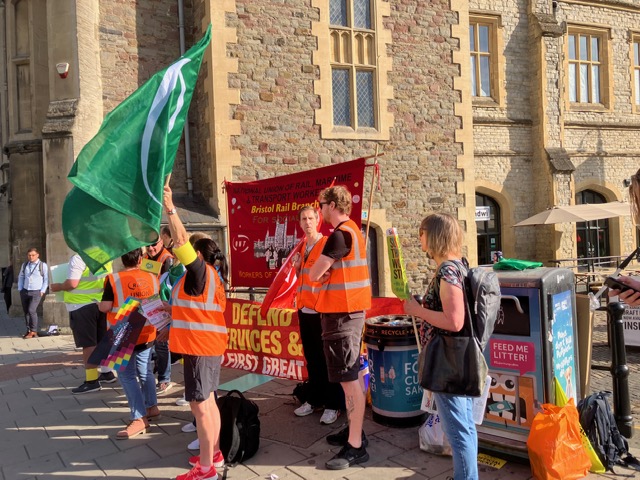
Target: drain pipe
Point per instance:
(187, 142)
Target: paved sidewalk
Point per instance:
(48, 433)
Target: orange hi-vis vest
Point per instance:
(133, 283)
(198, 327)
(348, 288)
(308, 290)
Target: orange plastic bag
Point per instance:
(554, 444)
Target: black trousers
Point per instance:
(321, 391)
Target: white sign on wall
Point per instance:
(483, 214)
(631, 324)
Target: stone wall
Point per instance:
(277, 105)
(137, 39)
(511, 139)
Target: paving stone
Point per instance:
(89, 453)
(130, 458)
(83, 470)
(13, 454)
(51, 419)
(34, 467)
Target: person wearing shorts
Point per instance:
(81, 292)
(198, 331)
(345, 294)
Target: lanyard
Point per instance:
(33, 269)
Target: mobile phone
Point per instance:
(616, 284)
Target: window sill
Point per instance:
(485, 102)
(348, 133)
(588, 107)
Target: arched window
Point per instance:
(488, 226)
(592, 237)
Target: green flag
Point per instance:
(399, 285)
(116, 204)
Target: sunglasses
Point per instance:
(323, 204)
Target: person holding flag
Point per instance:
(158, 253)
(344, 296)
(321, 392)
(199, 333)
(81, 292)
(142, 398)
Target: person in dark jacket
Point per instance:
(7, 283)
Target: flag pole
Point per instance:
(373, 184)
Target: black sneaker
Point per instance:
(341, 438)
(347, 457)
(107, 377)
(87, 387)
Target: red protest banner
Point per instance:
(270, 345)
(263, 217)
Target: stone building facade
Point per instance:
(288, 86)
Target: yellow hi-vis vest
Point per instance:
(90, 287)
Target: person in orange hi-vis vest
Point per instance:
(142, 398)
(344, 296)
(159, 253)
(199, 333)
(320, 392)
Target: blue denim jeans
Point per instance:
(140, 396)
(457, 422)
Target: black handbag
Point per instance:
(454, 363)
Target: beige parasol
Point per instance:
(577, 213)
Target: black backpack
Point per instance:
(599, 424)
(240, 427)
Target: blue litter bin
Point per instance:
(396, 394)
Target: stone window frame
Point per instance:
(606, 85)
(14, 61)
(323, 85)
(496, 58)
(634, 67)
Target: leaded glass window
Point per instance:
(353, 63)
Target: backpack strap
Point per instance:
(463, 268)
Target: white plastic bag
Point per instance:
(432, 437)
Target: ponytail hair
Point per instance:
(212, 255)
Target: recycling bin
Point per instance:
(535, 339)
(392, 350)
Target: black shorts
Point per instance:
(88, 325)
(341, 338)
(201, 377)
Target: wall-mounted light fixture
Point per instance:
(626, 183)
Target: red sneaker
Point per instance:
(218, 460)
(196, 473)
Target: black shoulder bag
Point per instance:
(454, 363)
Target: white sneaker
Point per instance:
(329, 416)
(181, 402)
(195, 445)
(304, 410)
(189, 428)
